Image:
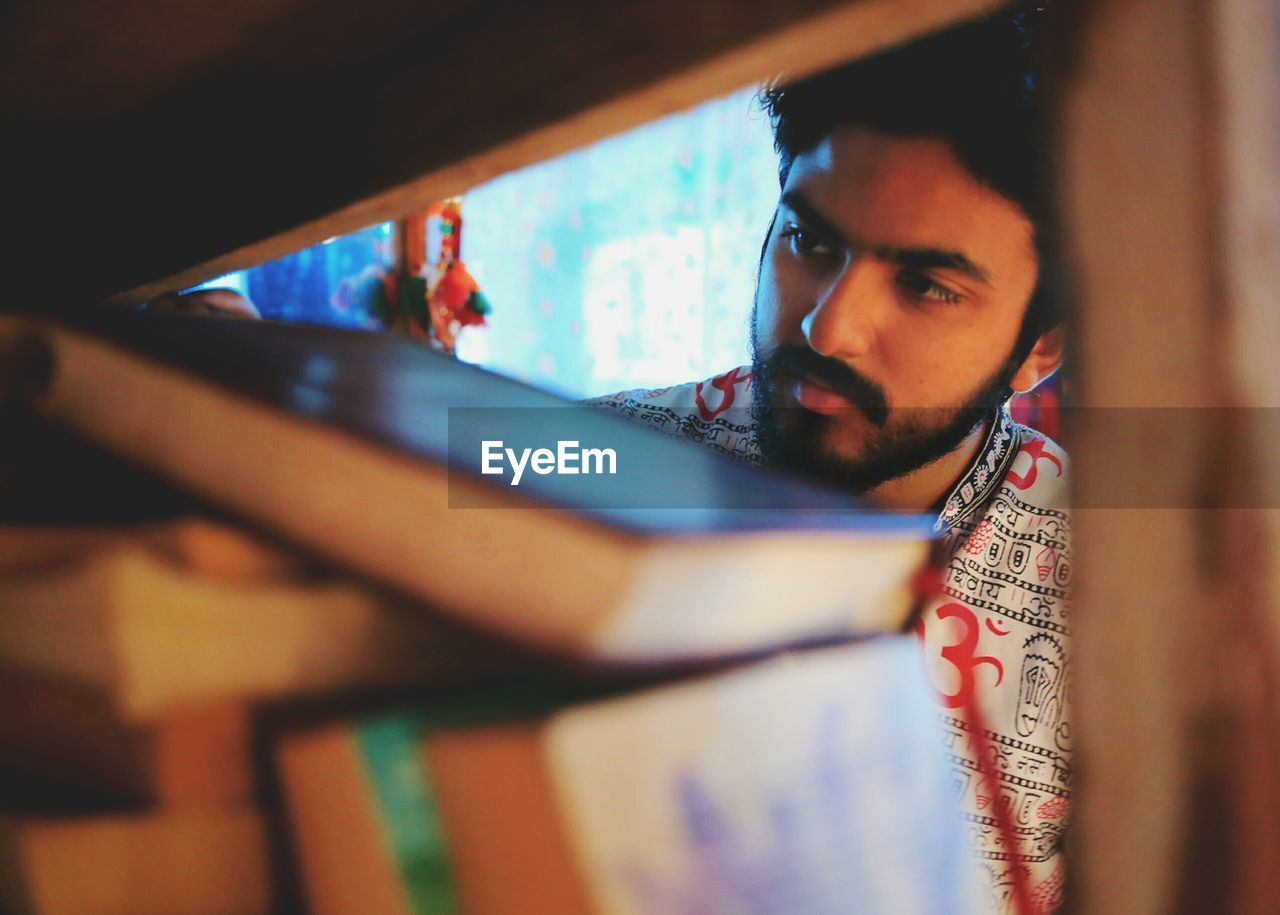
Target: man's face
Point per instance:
(892, 290)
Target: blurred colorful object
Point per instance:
(433, 296)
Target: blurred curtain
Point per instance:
(628, 263)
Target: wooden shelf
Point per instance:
(180, 149)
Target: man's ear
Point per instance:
(1044, 358)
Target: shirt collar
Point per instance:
(978, 483)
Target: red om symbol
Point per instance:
(962, 655)
(1035, 449)
(725, 385)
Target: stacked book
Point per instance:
(132, 664)
(779, 758)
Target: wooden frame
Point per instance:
(1168, 188)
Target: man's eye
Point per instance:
(803, 242)
(920, 286)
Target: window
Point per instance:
(628, 263)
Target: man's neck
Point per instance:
(925, 488)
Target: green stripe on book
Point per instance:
(393, 760)
(392, 747)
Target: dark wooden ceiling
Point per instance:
(147, 139)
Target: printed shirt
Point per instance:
(994, 638)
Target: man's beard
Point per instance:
(896, 443)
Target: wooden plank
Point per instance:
(1175, 666)
(247, 161)
(67, 60)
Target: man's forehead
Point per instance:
(880, 188)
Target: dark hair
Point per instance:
(973, 86)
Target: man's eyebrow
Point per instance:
(932, 259)
(800, 204)
(913, 258)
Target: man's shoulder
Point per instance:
(1024, 524)
(1039, 472)
(715, 412)
(707, 399)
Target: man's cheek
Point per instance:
(764, 314)
(780, 307)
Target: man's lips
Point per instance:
(821, 384)
(815, 396)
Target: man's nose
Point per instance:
(842, 323)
